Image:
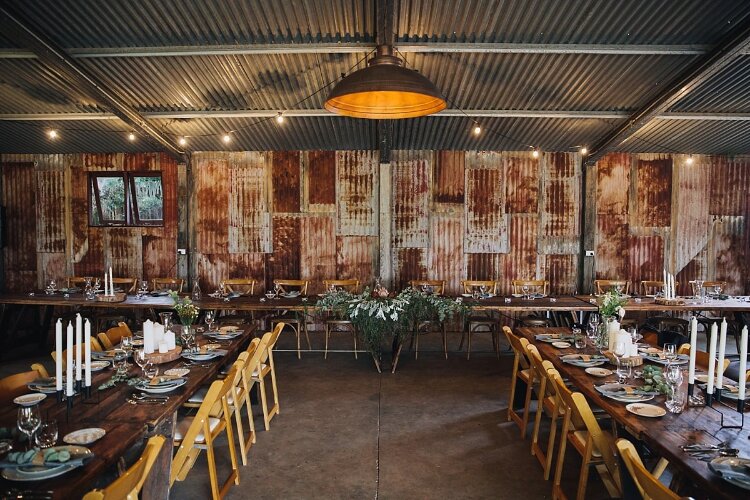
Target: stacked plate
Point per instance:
(625, 393)
(204, 356)
(553, 337)
(733, 470)
(45, 385)
(221, 335)
(161, 385)
(584, 361)
(290, 295)
(654, 358)
(78, 456)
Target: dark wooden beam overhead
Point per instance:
(59, 61)
(726, 52)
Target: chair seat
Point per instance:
(184, 424)
(524, 374)
(581, 437)
(264, 368)
(200, 395)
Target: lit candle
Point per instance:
(79, 333)
(712, 358)
(87, 351)
(69, 361)
(693, 348)
(111, 285)
(743, 363)
(722, 349)
(58, 355)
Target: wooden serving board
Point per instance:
(669, 302)
(633, 360)
(117, 297)
(165, 357)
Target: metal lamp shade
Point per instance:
(385, 90)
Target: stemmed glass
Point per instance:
(139, 356)
(142, 289)
(525, 290)
(618, 350)
(51, 287)
(669, 352)
(674, 377)
(150, 370)
(276, 290)
(222, 288)
(97, 285)
(209, 318)
(717, 290)
(188, 339)
(618, 288)
(28, 421)
(483, 289)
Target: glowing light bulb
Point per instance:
(131, 136)
(52, 134)
(477, 130)
(182, 141)
(279, 118)
(689, 160)
(535, 153)
(227, 138)
(584, 150)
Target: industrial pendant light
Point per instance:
(385, 89)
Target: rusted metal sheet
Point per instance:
(357, 202)
(410, 181)
(445, 257)
(730, 178)
(409, 264)
(698, 268)
(560, 270)
(284, 262)
(486, 224)
(611, 245)
(50, 265)
(653, 191)
(317, 250)
(50, 211)
(560, 204)
(159, 244)
(483, 266)
(690, 218)
(645, 260)
(522, 184)
(521, 261)
(211, 214)
(249, 219)
(612, 181)
(357, 258)
(286, 181)
(124, 251)
(19, 199)
(213, 268)
(102, 161)
(321, 181)
(137, 162)
(449, 177)
(728, 254)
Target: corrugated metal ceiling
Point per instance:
(473, 81)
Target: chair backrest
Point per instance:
(535, 286)
(470, 285)
(438, 286)
(14, 385)
(285, 285)
(128, 285)
(565, 400)
(604, 286)
(676, 324)
(174, 284)
(602, 441)
(650, 288)
(702, 358)
(711, 284)
(351, 286)
(251, 358)
(518, 344)
(40, 369)
(539, 369)
(269, 342)
(95, 346)
(534, 322)
(649, 486)
(240, 285)
(76, 281)
(116, 333)
(129, 484)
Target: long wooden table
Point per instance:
(663, 435)
(126, 426)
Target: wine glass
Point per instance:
(120, 360)
(579, 341)
(276, 290)
(717, 290)
(674, 377)
(483, 290)
(51, 287)
(150, 370)
(209, 318)
(166, 320)
(222, 288)
(525, 290)
(46, 435)
(618, 288)
(188, 338)
(669, 352)
(97, 285)
(28, 421)
(139, 356)
(618, 350)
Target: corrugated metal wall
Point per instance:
(453, 215)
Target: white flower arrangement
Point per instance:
(612, 304)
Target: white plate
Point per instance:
(40, 473)
(97, 366)
(467, 295)
(201, 357)
(598, 372)
(646, 410)
(45, 385)
(177, 372)
(290, 295)
(681, 359)
(30, 399)
(733, 470)
(611, 391)
(561, 345)
(84, 436)
(223, 336)
(160, 390)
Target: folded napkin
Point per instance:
(42, 458)
(584, 357)
(164, 380)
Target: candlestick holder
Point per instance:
(59, 395)
(693, 398)
(740, 409)
(717, 394)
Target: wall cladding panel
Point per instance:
(486, 222)
(445, 257)
(411, 196)
(653, 191)
(212, 210)
(357, 258)
(321, 181)
(317, 251)
(19, 198)
(449, 177)
(249, 218)
(357, 193)
(286, 181)
(284, 262)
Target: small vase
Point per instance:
(612, 329)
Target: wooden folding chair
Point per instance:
(337, 324)
(245, 287)
(534, 286)
(196, 433)
(174, 284)
(266, 367)
(648, 485)
(296, 321)
(95, 346)
(548, 404)
(251, 363)
(429, 325)
(40, 369)
(480, 321)
(604, 286)
(128, 486)
(521, 373)
(114, 335)
(13, 386)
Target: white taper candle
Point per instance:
(743, 363)
(693, 348)
(111, 285)
(69, 361)
(87, 351)
(79, 342)
(712, 358)
(722, 353)
(58, 355)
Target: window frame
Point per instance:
(132, 217)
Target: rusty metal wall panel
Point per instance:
(408, 264)
(521, 261)
(645, 260)
(213, 268)
(698, 268)
(449, 177)
(653, 191)
(102, 161)
(321, 180)
(212, 219)
(483, 266)
(445, 258)
(612, 238)
(612, 181)
(357, 258)
(284, 262)
(730, 178)
(249, 219)
(690, 205)
(522, 185)
(411, 197)
(317, 251)
(728, 254)
(560, 204)
(50, 265)
(486, 224)
(124, 251)
(50, 211)
(19, 199)
(357, 197)
(560, 270)
(136, 162)
(159, 244)
(286, 181)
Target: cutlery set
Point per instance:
(135, 399)
(707, 452)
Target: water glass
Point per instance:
(209, 317)
(139, 356)
(618, 350)
(51, 287)
(166, 320)
(28, 421)
(46, 435)
(120, 361)
(188, 338)
(150, 370)
(578, 339)
(669, 351)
